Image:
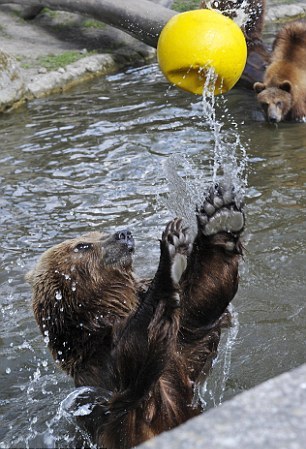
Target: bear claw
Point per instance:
(176, 237)
(178, 245)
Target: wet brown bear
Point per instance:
(140, 346)
(282, 95)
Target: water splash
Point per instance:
(62, 428)
(229, 156)
(239, 11)
(228, 164)
(185, 190)
(212, 391)
(225, 160)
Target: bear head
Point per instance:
(275, 101)
(82, 286)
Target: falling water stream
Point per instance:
(128, 150)
(228, 165)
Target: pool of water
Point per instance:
(95, 158)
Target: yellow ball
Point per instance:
(194, 41)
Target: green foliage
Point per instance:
(54, 62)
(185, 5)
(90, 23)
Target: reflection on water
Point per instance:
(94, 158)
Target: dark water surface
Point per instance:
(94, 157)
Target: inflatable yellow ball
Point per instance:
(195, 41)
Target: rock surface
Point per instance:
(102, 50)
(12, 84)
(286, 12)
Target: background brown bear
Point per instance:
(140, 346)
(282, 95)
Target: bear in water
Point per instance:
(140, 346)
(282, 94)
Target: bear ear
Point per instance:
(29, 277)
(286, 86)
(259, 87)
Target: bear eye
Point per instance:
(83, 246)
(279, 104)
(265, 106)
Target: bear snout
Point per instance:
(273, 117)
(274, 114)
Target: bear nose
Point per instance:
(125, 236)
(272, 119)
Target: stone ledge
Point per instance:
(82, 70)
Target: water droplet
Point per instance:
(34, 420)
(46, 338)
(58, 295)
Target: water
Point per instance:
(225, 163)
(211, 393)
(228, 164)
(95, 157)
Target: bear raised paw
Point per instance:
(221, 211)
(176, 241)
(139, 346)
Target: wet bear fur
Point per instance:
(139, 346)
(282, 94)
